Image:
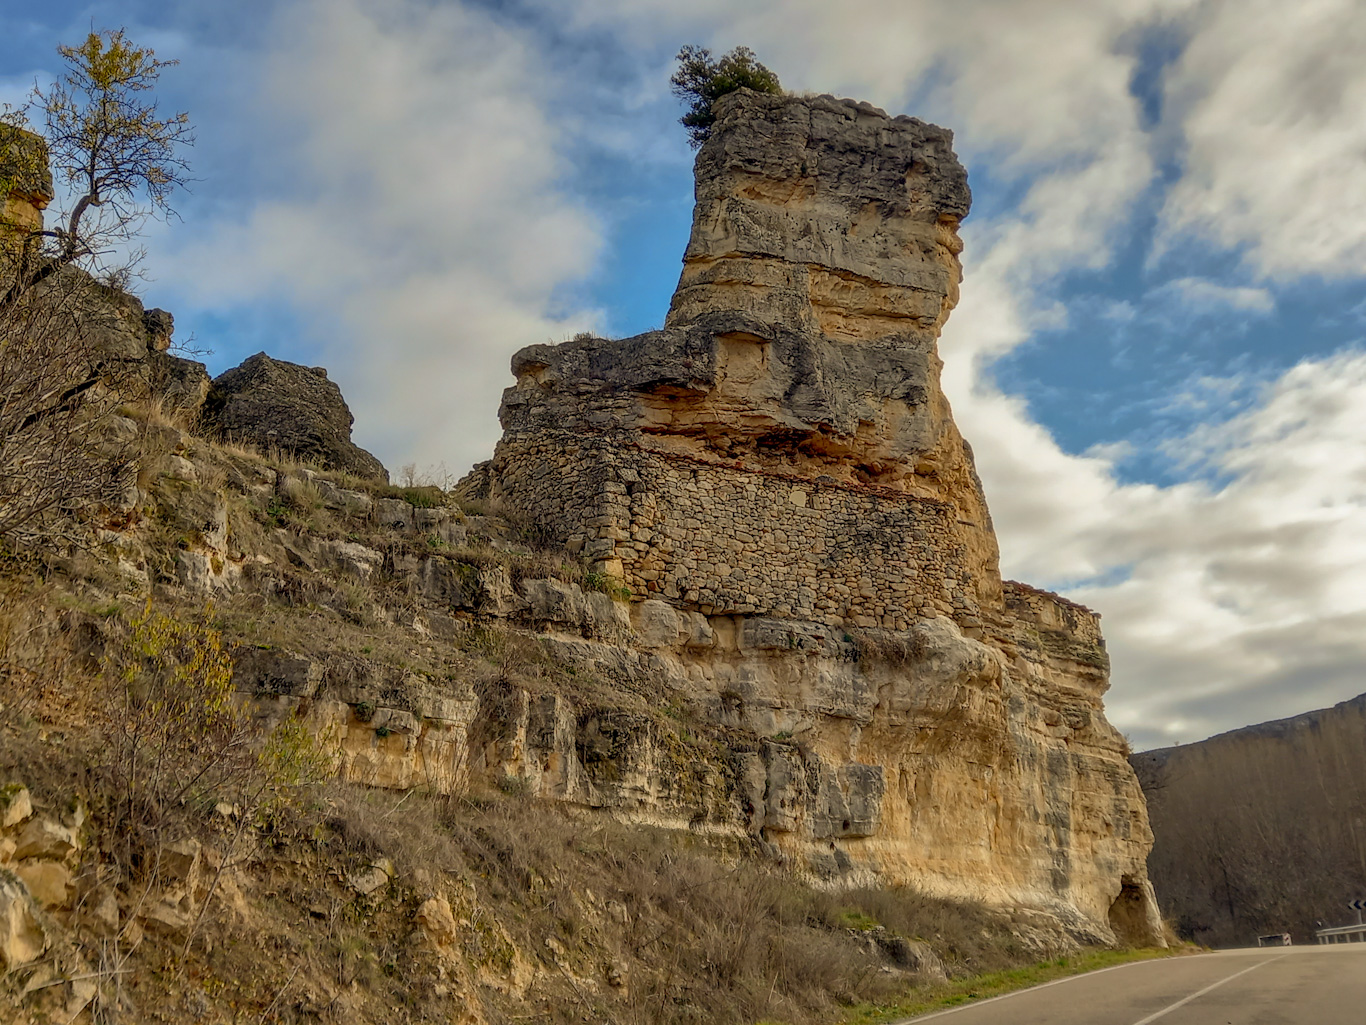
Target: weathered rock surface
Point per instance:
(24, 163)
(777, 478)
(130, 344)
(789, 417)
(294, 409)
(1261, 830)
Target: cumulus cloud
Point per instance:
(421, 228)
(1268, 95)
(1247, 600)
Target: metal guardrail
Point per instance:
(1342, 934)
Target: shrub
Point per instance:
(178, 734)
(701, 81)
(609, 585)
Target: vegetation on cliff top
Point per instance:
(120, 162)
(701, 81)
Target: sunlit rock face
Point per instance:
(777, 478)
(25, 182)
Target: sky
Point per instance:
(1160, 352)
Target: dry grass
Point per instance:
(700, 932)
(621, 924)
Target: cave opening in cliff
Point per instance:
(1129, 914)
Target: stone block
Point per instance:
(22, 936)
(395, 514)
(43, 838)
(15, 805)
(658, 625)
(48, 882)
(257, 671)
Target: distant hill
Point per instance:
(1262, 829)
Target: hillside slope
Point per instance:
(702, 701)
(1262, 829)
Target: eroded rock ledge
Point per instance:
(778, 467)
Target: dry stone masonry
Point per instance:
(777, 478)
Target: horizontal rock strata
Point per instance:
(776, 477)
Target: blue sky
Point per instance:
(1157, 355)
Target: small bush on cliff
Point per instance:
(701, 81)
(178, 734)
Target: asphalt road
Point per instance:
(1311, 985)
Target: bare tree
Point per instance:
(118, 157)
(56, 452)
(61, 380)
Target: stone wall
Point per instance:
(729, 541)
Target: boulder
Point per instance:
(43, 838)
(15, 804)
(159, 326)
(24, 161)
(182, 385)
(22, 937)
(48, 882)
(296, 409)
(258, 671)
(373, 877)
(437, 922)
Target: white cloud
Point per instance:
(1246, 601)
(1269, 95)
(1200, 295)
(424, 234)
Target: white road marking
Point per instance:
(1019, 992)
(1213, 986)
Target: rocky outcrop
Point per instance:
(25, 180)
(788, 419)
(285, 407)
(776, 477)
(1261, 830)
(127, 346)
(134, 345)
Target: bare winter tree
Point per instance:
(119, 159)
(60, 380)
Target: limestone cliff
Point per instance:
(816, 679)
(776, 477)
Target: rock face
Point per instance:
(1261, 830)
(24, 170)
(136, 340)
(295, 409)
(131, 343)
(777, 478)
